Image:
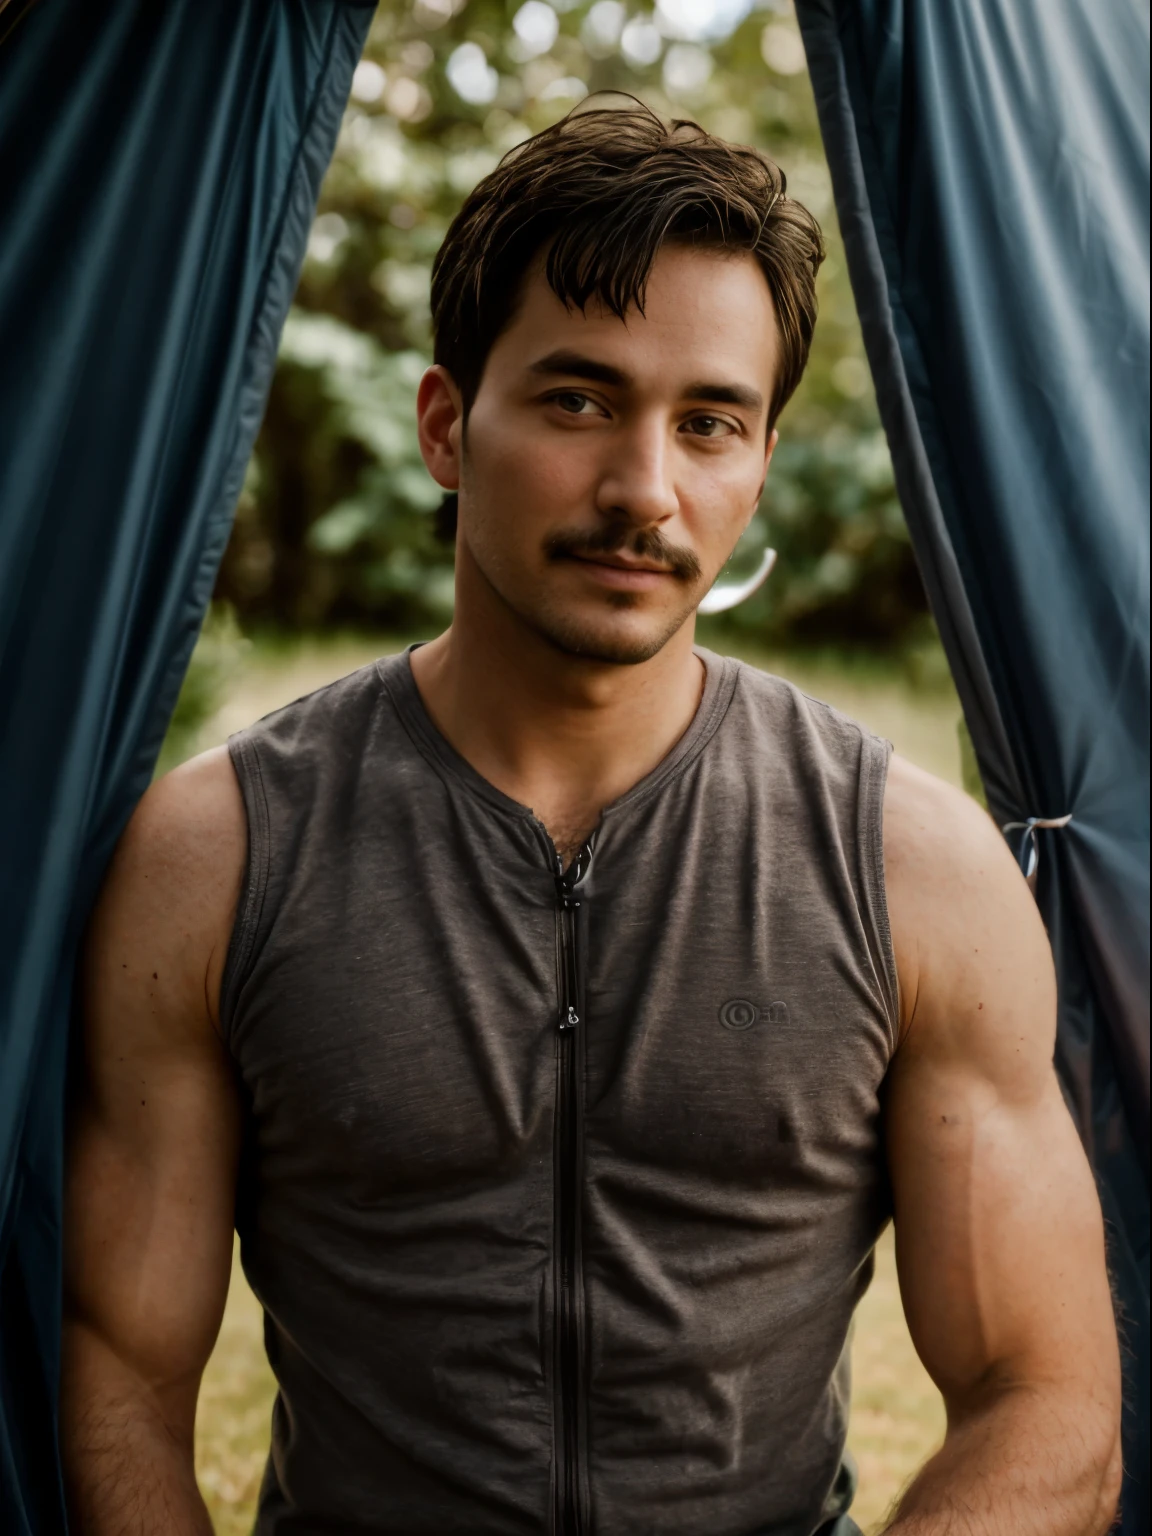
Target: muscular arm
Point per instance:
(152, 1162)
(999, 1238)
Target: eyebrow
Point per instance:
(727, 394)
(574, 365)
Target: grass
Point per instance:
(234, 1413)
(897, 1415)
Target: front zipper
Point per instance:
(569, 1159)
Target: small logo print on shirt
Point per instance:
(739, 1014)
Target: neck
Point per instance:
(562, 734)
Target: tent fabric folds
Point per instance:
(990, 166)
(159, 168)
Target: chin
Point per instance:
(621, 638)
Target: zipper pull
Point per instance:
(570, 1019)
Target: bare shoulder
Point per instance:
(935, 835)
(164, 917)
(189, 819)
(971, 951)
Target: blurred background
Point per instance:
(335, 527)
(334, 556)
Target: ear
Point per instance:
(440, 423)
(773, 439)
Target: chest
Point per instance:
(401, 1029)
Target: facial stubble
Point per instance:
(568, 634)
(586, 641)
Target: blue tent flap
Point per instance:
(990, 166)
(159, 167)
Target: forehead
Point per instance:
(707, 315)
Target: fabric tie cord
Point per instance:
(1028, 853)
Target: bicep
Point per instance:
(154, 1130)
(998, 1229)
(998, 1232)
(149, 1213)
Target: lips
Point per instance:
(622, 575)
(623, 565)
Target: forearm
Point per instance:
(1025, 1463)
(128, 1452)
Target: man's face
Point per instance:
(609, 467)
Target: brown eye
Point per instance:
(707, 426)
(571, 402)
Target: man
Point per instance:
(560, 1011)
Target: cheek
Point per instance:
(548, 472)
(717, 503)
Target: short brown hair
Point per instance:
(600, 192)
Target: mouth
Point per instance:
(611, 570)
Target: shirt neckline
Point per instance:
(720, 678)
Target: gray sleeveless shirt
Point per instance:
(559, 1192)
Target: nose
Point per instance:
(637, 484)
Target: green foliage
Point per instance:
(336, 522)
(385, 521)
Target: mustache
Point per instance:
(643, 543)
